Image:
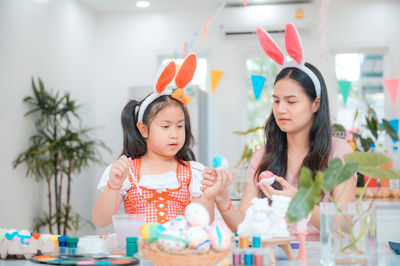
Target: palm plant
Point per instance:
(58, 150)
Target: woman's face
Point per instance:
(292, 108)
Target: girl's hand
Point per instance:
(119, 171)
(287, 189)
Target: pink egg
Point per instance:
(220, 235)
(267, 176)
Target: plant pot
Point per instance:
(348, 233)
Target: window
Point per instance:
(259, 110)
(365, 74)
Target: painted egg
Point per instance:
(151, 231)
(220, 162)
(172, 240)
(179, 224)
(197, 215)
(220, 235)
(267, 177)
(197, 237)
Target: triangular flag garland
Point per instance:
(392, 86)
(258, 85)
(216, 76)
(395, 125)
(345, 87)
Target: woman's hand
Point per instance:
(216, 182)
(119, 171)
(287, 189)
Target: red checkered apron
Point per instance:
(159, 207)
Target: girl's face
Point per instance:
(167, 131)
(292, 108)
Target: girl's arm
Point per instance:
(110, 199)
(106, 206)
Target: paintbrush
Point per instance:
(136, 183)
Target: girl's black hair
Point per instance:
(134, 145)
(320, 137)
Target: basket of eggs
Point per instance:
(186, 240)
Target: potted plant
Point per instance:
(59, 149)
(347, 230)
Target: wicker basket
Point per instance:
(160, 257)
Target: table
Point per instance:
(386, 257)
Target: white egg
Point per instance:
(197, 215)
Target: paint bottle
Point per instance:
(72, 245)
(236, 257)
(248, 257)
(131, 246)
(62, 245)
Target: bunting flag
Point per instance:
(185, 49)
(395, 125)
(258, 85)
(175, 54)
(345, 87)
(205, 28)
(244, 3)
(216, 76)
(392, 86)
(194, 37)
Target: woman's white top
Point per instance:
(160, 182)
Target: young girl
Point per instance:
(297, 134)
(155, 175)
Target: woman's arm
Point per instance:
(233, 217)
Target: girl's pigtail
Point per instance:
(134, 145)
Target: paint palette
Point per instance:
(86, 260)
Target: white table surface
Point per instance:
(385, 257)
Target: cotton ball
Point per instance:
(172, 240)
(197, 238)
(267, 177)
(220, 162)
(197, 215)
(220, 235)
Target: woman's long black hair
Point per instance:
(134, 145)
(275, 158)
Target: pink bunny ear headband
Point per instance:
(294, 49)
(165, 75)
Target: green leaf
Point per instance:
(367, 158)
(372, 126)
(251, 130)
(306, 180)
(378, 172)
(308, 195)
(337, 173)
(389, 130)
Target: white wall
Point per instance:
(53, 41)
(98, 57)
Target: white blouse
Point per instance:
(160, 182)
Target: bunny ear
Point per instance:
(186, 72)
(166, 75)
(270, 47)
(293, 44)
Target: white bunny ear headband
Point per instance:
(294, 49)
(165, 75)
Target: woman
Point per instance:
(297, 134)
